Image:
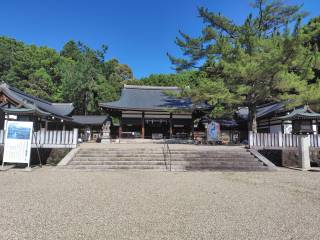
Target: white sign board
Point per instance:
(17, 146)
(213, 132)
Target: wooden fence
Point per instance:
(280, 141)
(50, 139)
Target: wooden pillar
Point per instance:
(192, 122)
(64, 127)
(142, 131)
(170, 125)
(85, 133)
(120, 127)
(46, 125)
(57, 126)
(2, 119)
(282, 126)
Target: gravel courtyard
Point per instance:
(46, 204)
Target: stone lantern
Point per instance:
(105, 138)
(302, 126)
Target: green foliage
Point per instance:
(78, 74)
(70, 50)
(253, 63)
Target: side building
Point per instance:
(271, 118)
(52, 119)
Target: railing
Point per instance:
(280, 140)
(50, 139)
(166, 151)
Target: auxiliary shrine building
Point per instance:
(147, 112)
(16, 105)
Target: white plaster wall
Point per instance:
(275, 129)
(314, 128)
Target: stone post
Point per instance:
(250, 139)
(304, 160)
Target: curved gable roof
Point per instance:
(62, 109)
(150, 98)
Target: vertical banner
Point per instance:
(17, 146)
(213, 131)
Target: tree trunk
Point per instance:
(252, 118)
(86, 105)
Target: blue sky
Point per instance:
(139, 33)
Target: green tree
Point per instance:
(83, 81)
(252, 63)
(70, 50)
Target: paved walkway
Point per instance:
(47, 204)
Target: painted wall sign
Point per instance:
(17, 146)
(213, 131)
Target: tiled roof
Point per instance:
(57, 109)
(262, 111)
(151, 98)
(302, 112)
(95, 120)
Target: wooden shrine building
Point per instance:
(147, 112)
(52, 121)
(271, 118)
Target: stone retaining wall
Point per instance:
(47, 155)
(289, 157)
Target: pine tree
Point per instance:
(253, 63)
(70, 50)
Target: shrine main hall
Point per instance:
(147, 112)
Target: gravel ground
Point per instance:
(46, 204)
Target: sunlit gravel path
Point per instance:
(46, 204)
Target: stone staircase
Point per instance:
(154, 159)
(118, 159)
(216, 160)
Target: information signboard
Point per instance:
(17, 146)
(213, 131)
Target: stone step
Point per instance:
(120, 155)
(161, 150)
(114, 167)
(150, 155)
(74, 162)
(89, 151)
(214, 163)
(161, 158)
(221, 168)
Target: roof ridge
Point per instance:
(151, 87)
